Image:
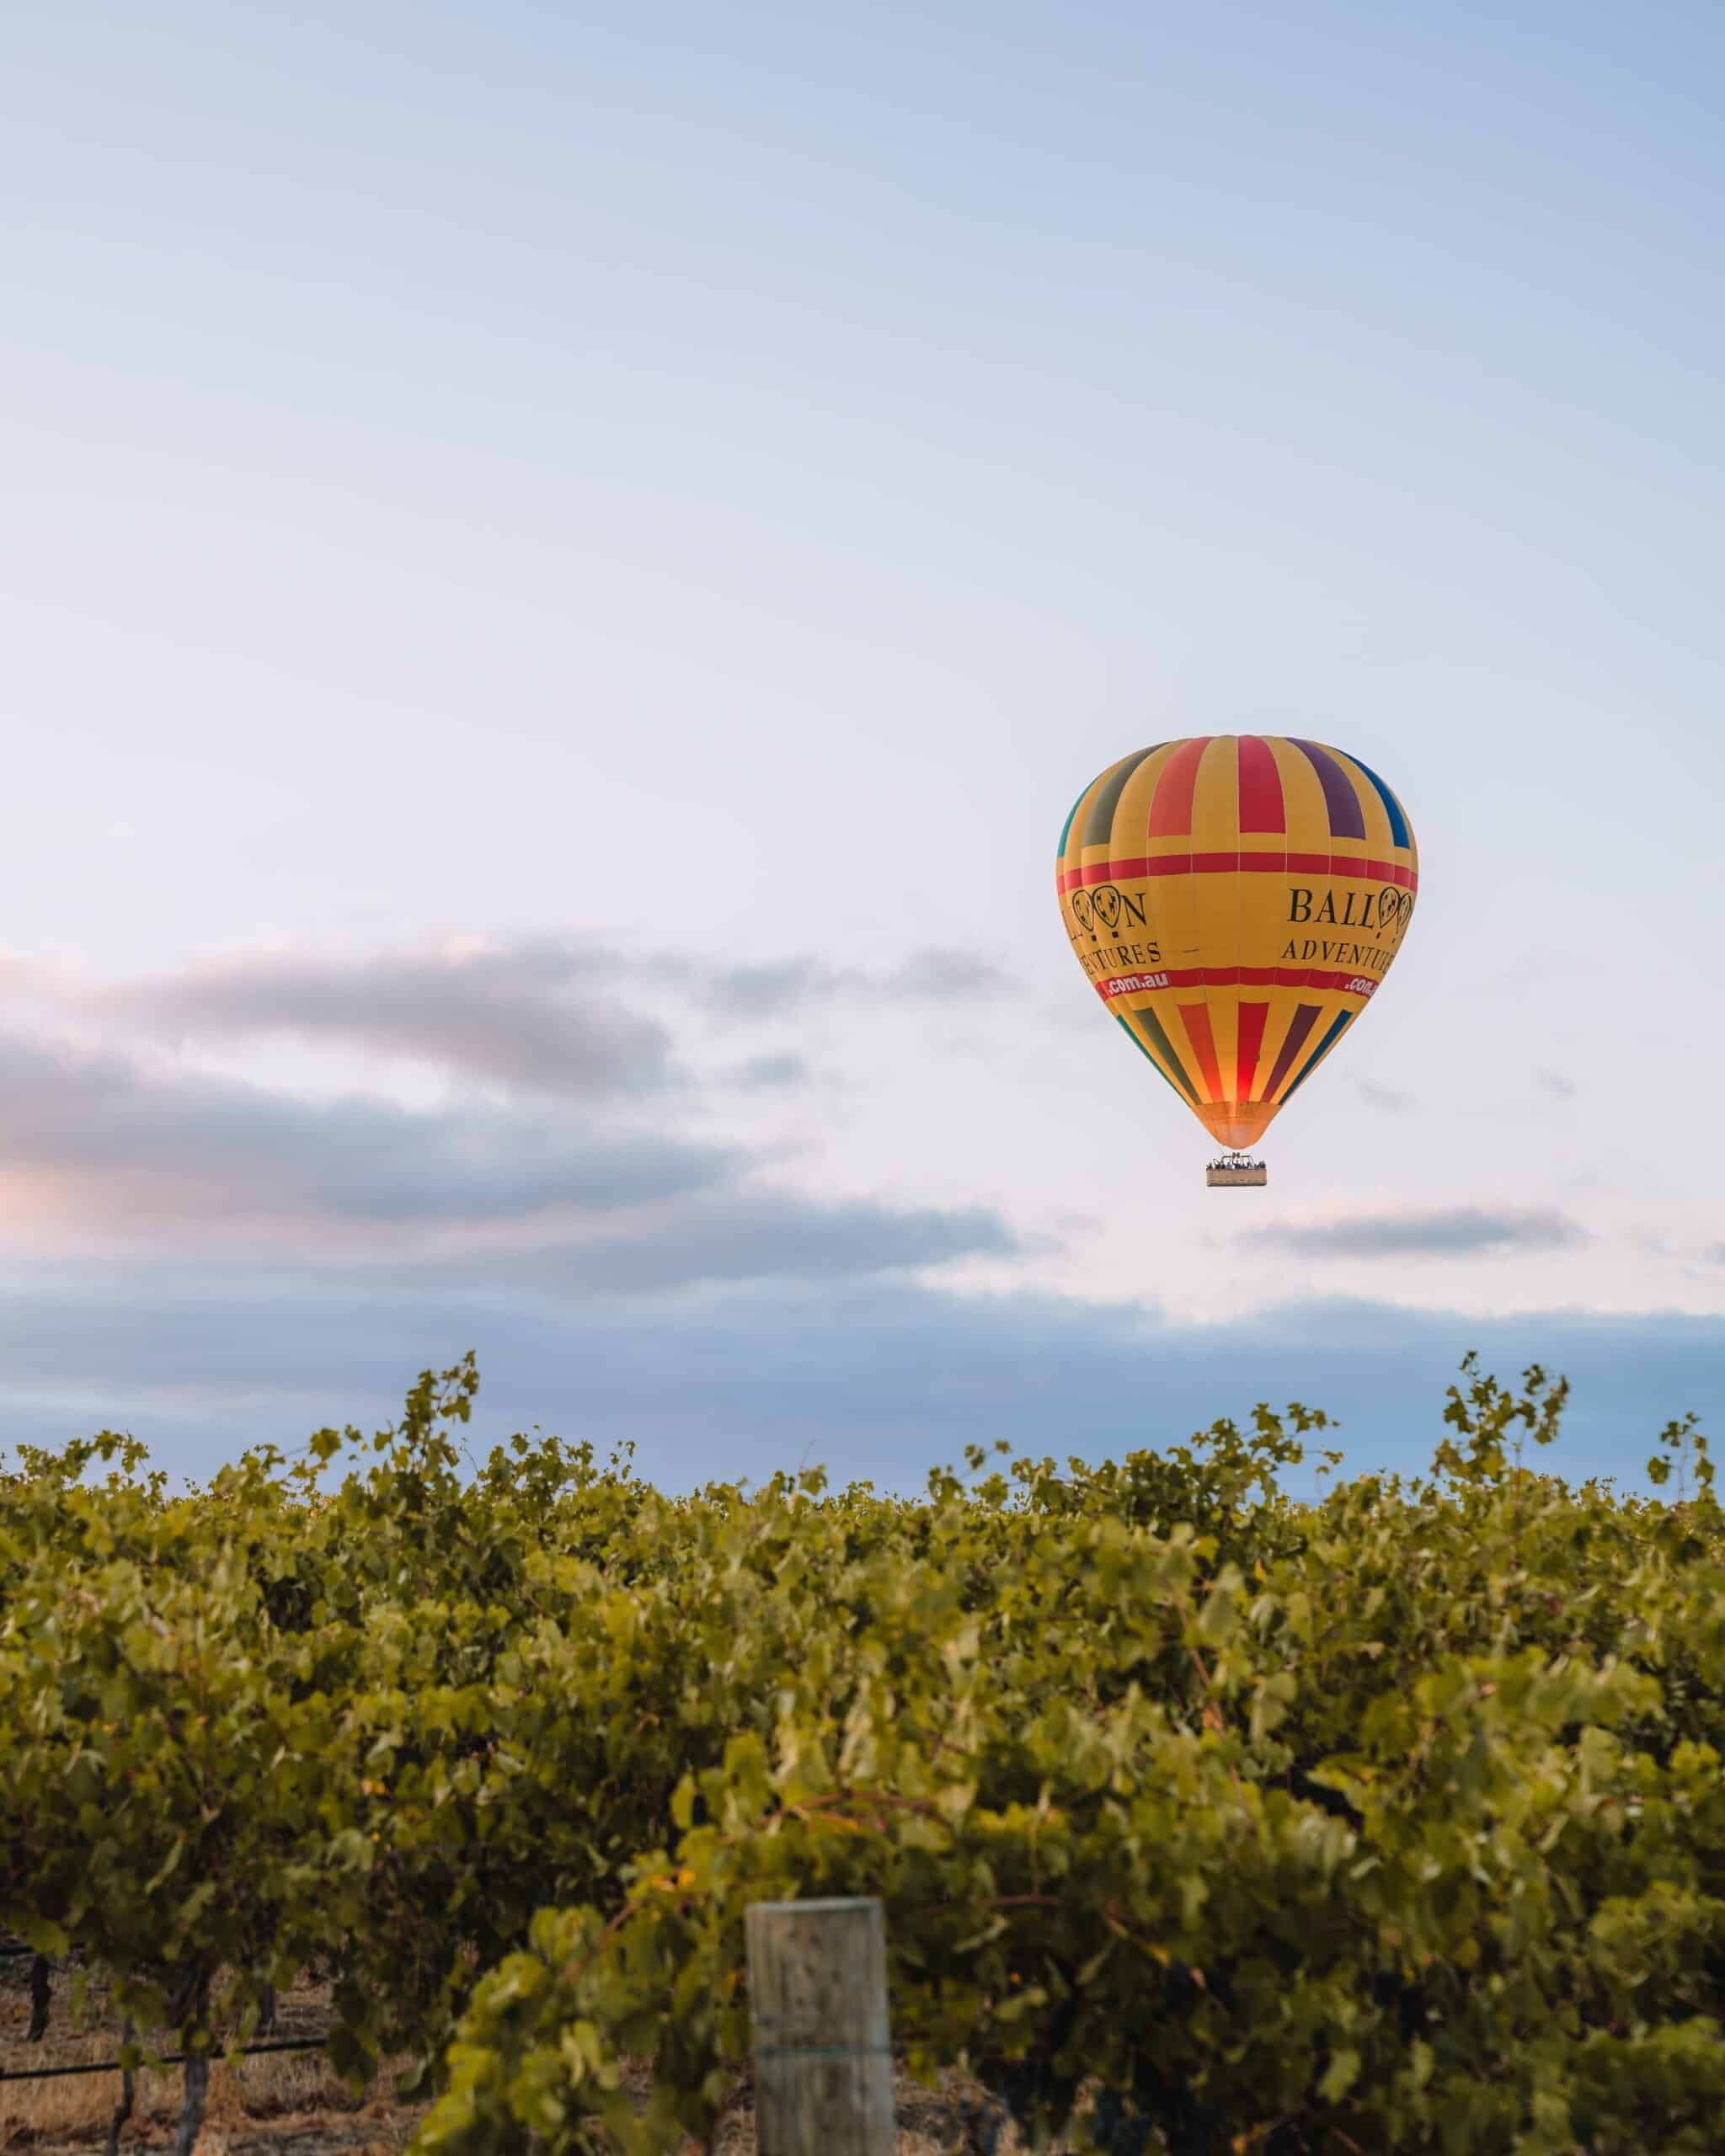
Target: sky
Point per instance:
(561, 568)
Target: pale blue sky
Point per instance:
(553, 554)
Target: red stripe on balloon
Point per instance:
(1255, 863)
(1251, 1018)
(1171, 807)
(1261, 804)
(1113, 984)
(1203, 1046)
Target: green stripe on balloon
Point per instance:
(1061, 849)
(1154, 1034)
(1146, 1054)
(1099, 824)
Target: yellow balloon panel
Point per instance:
(1236, 900)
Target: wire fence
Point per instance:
(38, 2028)
(167, 2058)
(421, 1865)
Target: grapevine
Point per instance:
(1204, 1820)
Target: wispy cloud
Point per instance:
(938, 973)
(1452, 1231)
(187, 1150)
(1384, 1097)
(765, 1074)
(784, 987)
(735, 1233)
(567, 1016)
(97, 1146)
(540, 1014)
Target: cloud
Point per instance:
(1385, 1098)
(763, 1074)
(195, 1151)
(879, 1378)
(788, 986)
(541, 1014)
(777, 988)
(1454, 1231)
(566, 1187)
(93, 1144)
(1554, 1084)
(941, 974)
(731, 1235)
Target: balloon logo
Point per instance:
(1236, 901)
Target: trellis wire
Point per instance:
(167, 2058)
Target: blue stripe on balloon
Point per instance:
(1399, 834)
(1061, 849)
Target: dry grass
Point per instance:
(927, 2119)
(287, 2103)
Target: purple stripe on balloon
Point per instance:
(1305, 1016)
(1347, 817)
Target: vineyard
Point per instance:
(1204, 1820)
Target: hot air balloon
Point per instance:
(1236, 901)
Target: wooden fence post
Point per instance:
(817, 2025)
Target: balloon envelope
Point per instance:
(1236, 901)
